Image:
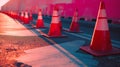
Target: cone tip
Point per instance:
(76, 9)
(56, 8)
(102, 5)
(40, 10)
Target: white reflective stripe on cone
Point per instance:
(102, 13)
(102, 25)
(55, 13)
(26, 14)
(55, 19)
(75, 19)
(39, 13)
(40, 16)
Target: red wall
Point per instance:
(87, 8)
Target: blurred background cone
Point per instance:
(40, 22)
(30, 16)
(74, 26)
(26, 18)
(22, 16)
(55, 26)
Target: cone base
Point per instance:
(30, 18)
(73, 31)
(74, 26)
(40, 24)
(22, 18)
(26, 21)
(99, 53)
(34, 26)
(46, 35)
(41, 27)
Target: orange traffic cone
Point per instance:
(40, 22)
(22, 16)
(55, 26)
(74, 27)
(30, 17)
(16, 15)
(11, 14)
(26, 18)
(101, 44)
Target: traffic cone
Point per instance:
(75, 26)
(30, 16)
(11, 14)
(40, 22)
(26, 18)
(101, 44)
(22, 16)
(55, 26)
(17, 15)
(60, 23)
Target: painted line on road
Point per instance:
(113, 41)
(65, 52)
(85, 36)
(61, 49)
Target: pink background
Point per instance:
(87, 8)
